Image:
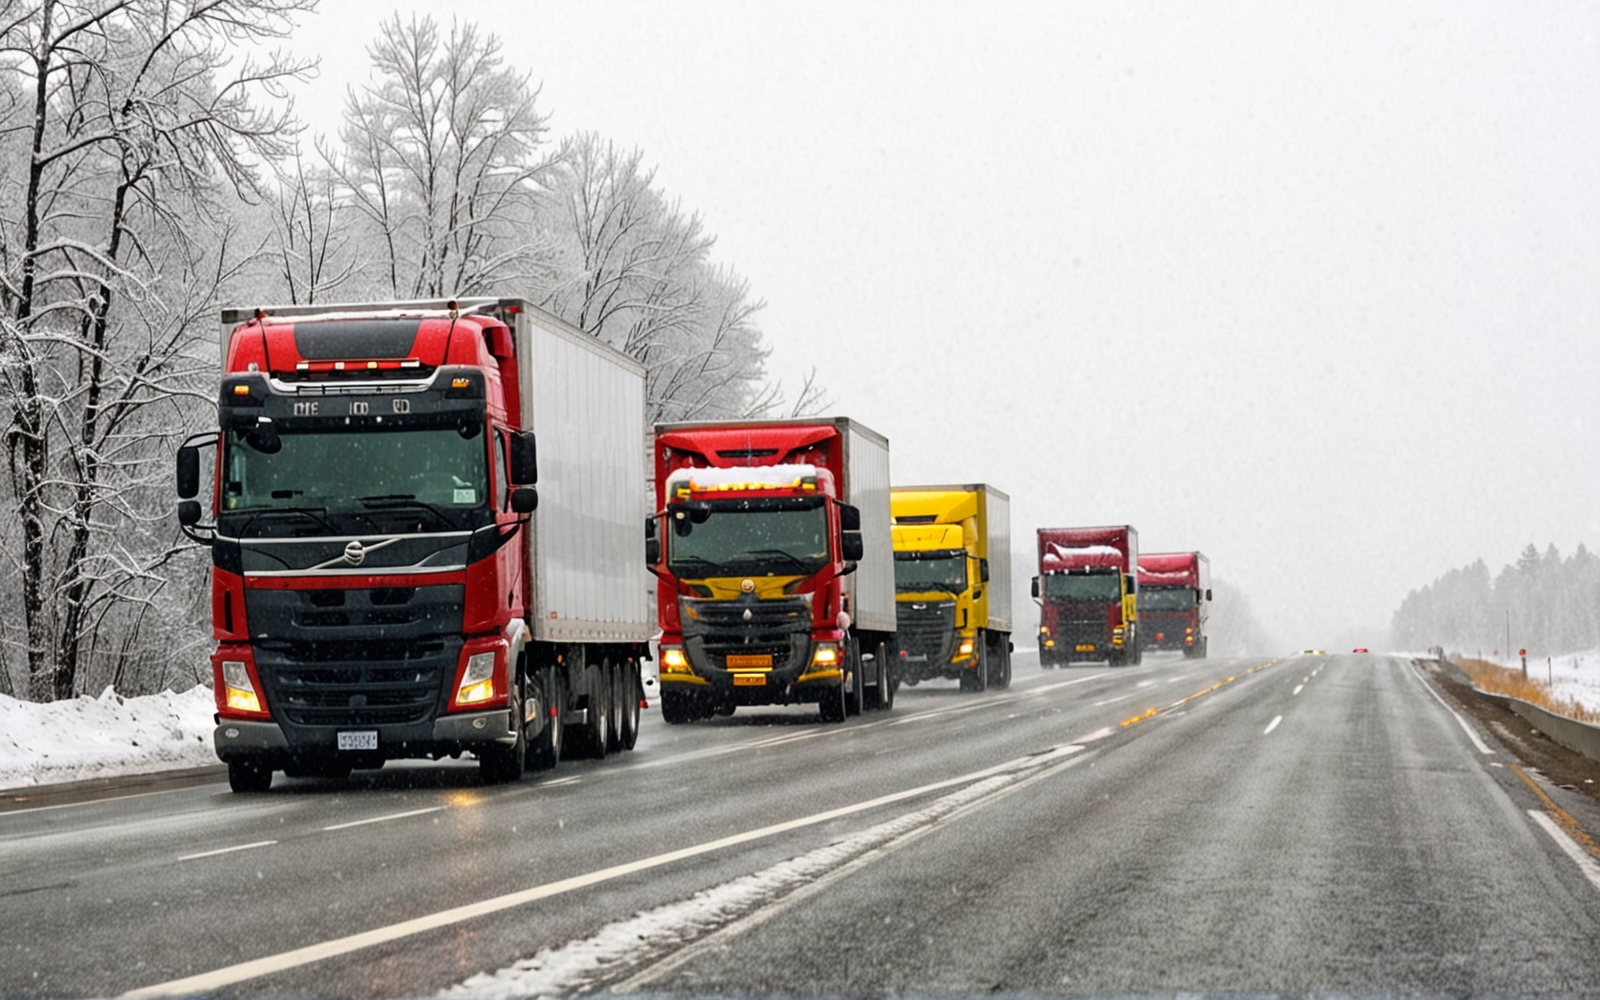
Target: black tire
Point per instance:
(632, 694)
(614, 688)
(597, 732)
(881, 697)
(832, 705)
(498, 764)
(248, 776)
(1202, 654)
(976, 678)
(678, 707)
(544, 750)
(855, 700)
(1002, 656)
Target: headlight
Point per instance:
(477, 681)
(240, 694)
(673, 660)
(826, 655)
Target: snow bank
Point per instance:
(104, 737)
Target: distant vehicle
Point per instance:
(1087, 589)
(1174, 601)
(1311, 652)
(952, 581)
(1359, 649)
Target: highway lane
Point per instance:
(168, 885)
(1195, 830)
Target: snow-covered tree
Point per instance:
(441, 153)
(120, 123)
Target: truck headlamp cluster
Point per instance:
(673, 661)
(826, 655)
(239, 693)
(477, 681)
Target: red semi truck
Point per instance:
(1174, 601)
(771, 544)
(1088, 589)
(387, 580)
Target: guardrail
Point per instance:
(1570, 733)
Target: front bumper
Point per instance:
(442, 737)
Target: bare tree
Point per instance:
(312, 247)
(441, 157)
(127, 116)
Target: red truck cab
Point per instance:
(1175, 601)
(1087, 589)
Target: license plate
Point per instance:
(359, 741)
(738, 660)
(1085, 648)
(749, 680)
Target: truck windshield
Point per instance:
(1082, 586)
(946, 571)
(753, 542)
(334, 470)
(1166, 598)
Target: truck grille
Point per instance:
(926, 629)
(780, 628)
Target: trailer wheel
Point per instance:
(615, 695)
(498, 764)
(545, 749)
(632, 694)
(248, 776)
(597, 735)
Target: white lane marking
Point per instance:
(1459, 720)
(216, 979)
(1306, 679)
(1297, 690)
(1586, 864)
(1113, 701)
(228, 850)
(383, 819)
(573, 780)
(677, 933)
(1273, 724)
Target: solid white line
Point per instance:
(1273, 724)
(1459, 720)
(228, 850)
(207, 982)
(1297, 690)
(382, 819)
(1586, 864)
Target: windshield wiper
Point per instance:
(911, 588)
(802, 566)
(392, 500)
(677, 562)
(318, 515)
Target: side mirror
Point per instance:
(983, 571)
(851, 548)
(1035, 588)
(649, 527)
(1208, 593)
(849, 518)
(652, 551)
(524, 459)
(188, 478)
(524, 499)
(189, 513)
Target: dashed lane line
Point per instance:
(228, 850)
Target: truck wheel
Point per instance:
(617, 694)
(855, 695)
(498, 764)
(248, 776)
(832, 704)
(1202, 653)
(678, 707)
(1002, 658)
(631, 696)
(976, 678)
(597, 735)
(544, 750)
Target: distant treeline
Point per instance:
(1553, 605)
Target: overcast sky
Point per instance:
(1313, 288)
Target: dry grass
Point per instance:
(1496, 679)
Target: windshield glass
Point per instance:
(1166, 599)
(768, 542)
(947, 571)
(356, 470)
(1082, 587)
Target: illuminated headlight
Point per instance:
(477, 681)
(241, 694)
(966, 648)
(1044, 630)
(673, 660)
(1049, 644)
(827, 655)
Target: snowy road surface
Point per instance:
(1305, 823)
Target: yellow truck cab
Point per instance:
(952, 563)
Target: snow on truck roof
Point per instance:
(1056, 556)
(744, 477)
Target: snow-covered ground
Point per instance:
(1572, 675)
(104, 737)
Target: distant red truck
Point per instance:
(1174, 601)
(1088, 589)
